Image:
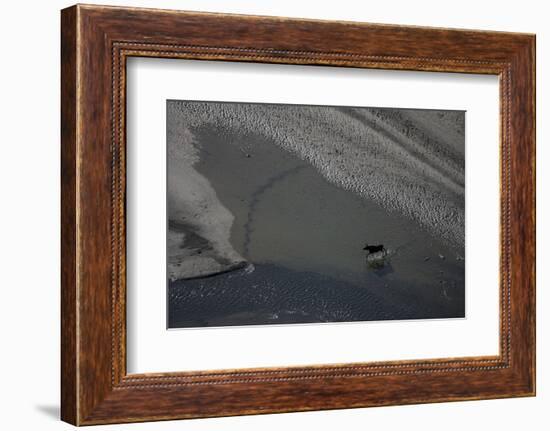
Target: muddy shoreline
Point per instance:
(297, 233)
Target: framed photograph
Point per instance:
(265, 214)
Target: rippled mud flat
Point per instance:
(270, 207)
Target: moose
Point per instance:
(374, 248)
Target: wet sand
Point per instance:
(293, 252)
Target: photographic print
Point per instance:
(285, 214)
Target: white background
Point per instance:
(151, 348)
(29, 228)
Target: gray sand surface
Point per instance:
(297, 191)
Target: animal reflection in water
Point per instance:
(377, 257)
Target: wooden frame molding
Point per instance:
(95, 43)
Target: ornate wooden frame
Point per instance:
(95, 43)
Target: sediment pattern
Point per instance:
(409, 161)
(270, 207)
(199, 226)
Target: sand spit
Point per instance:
(199, 226)
(408, 161)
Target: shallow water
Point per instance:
(275, 294)
(303, 236)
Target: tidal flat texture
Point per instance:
(270, 208)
